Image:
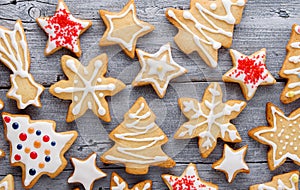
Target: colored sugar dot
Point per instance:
(7, 119)
(37, 144)
(27, 150)
(47, 152)
(46, 138)
(23, 136)
(33, 155)
(41, 165)
(15, 125)
(38, 132)
(32, 171)
(30, 130)
(53, 143)
(19, 146)
(47, 158)
(17, 157)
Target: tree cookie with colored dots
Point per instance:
(210, 119)
(117, 183)
(282, 136)
(36, 147)
(63, 30)
(188, 180)
(138, 141)
(206, 27)
(86, 87)
(232, 162)
(158, 69)
(124, 28)
(283, 181)
(291, 68)
(249, 72)
(7, 183)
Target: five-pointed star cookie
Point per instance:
(86, 87)
(7, 183)
(158, 69)
(249, 72)
(232, 162)
(86, 172)
(124, 28)
(283, 136)
(63, 30)
(188, 180)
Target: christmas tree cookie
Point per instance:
(36, 147)
(7, 183)
(138, 141)
(117, 183)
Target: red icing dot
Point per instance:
(33, 155)
(7, 119)
(23, 136)
(46, 138)
(17, 157)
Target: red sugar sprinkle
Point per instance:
(185, 183)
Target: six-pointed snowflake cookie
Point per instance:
(36, 147)
(117, 183)
(124, 28)
(232, 162)
(188, 180)
(7, 183)
(86, 87)
(63, 30)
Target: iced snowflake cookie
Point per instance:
(249, 72)
(14, 54)
(158, 69)
(86, 87)
(138, 141)
(210, 119)
(86, 172)
(232, 162)
(283, 136)
(287, 181)
(188, 180)
(117, 183)
(7, 183)
(291, 68)
(36, 147)
(124, 28)
(63, 30)
(206, 27)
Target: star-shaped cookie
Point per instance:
(188, 180)
(86, 87)
(117, 183)
(283, 136)
(86, 172)
(249, 72)
(158, 69)
(124, 28)
(63, 30)
(7, 183)
(232, 162)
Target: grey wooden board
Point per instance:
(265, 23)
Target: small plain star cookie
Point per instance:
(117, 183)
(7, 183)
(124, 28)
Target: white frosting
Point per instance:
(213, 6)
(128, 45)
(164, 70)
(233, 162)
(4, 185)
(86, 171)
(294, 59)
(17, 64)
(281, 185)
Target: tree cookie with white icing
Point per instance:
(206, 27)
(138, 141)
(7, 183)
(117, 183)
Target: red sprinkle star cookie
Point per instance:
(7, 183)
(249, 72)
(63, 30)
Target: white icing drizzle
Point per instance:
(280, 185)
(122, 185)
(127, 45)
(4, 185)
(228, 18)
(11, 57)
(294, 59)
(88, 88)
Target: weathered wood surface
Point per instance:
(265, 23)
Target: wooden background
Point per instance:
(265, 24)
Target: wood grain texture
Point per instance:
(265, 24)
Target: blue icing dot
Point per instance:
(53, 143)
(15, 125)
(38, 132)
(47, 158)
(19, 146)
(32, 171)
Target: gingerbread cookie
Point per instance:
(86, 87)
(36, 147)
(124, 28)
(7, 183)
(282, 136)
(117, 183)
(158, 69)
(210, 119)
(63, 30)
(86, 172)
(249, 72)
(138, 141)
(188, 180)
(14, 54)
(206, 27)
(232, 162)
(291, 68)
(283, 181)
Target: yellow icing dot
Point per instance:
(290, 94)
(27, 150)
(295, 178)
(47, 152)
(41, 165)
(30, 130)
(37, 144)
(159, 69)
